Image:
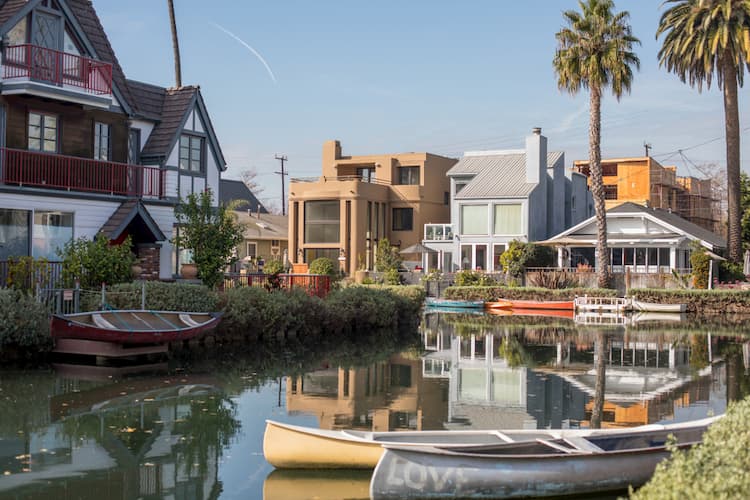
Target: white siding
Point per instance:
(173, 160)
(164, 218)
(88, 215)
(199, 184)
(170, 183)
(186, 186)
(145, 127)
(212, 171)
(198, 122)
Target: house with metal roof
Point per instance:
(640, 240)
(500, 196)
(85, 150)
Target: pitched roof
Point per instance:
(237, 190)
(8, 8)
(124, 215)
(148, 99)
(673, 220)
(94, 31)
(265, 227)
(176, 103)
(501, 175)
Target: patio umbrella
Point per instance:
(418, 248)
(746, 266)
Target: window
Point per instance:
(610, 191)
(508, 219)
(102, 142)
(275, 243)
(315, 253)
(252, 249)
(609, 169)
(446, 198)
(403, 219)
(473, 219)
(14, 233)
(51, 231)
(408, 175)
(498, 250)
(460, 186)
(42, 132)
(366, 174)
(664, 258)
(322, 220)
(191, 153)
(134, 146)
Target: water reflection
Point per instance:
(93, 438)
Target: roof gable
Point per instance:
(230, 190)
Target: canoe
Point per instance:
(288, 446)
(498, 304)
(557, 313)
(469, 304)
(571, 466)
(637, 305)
(329, 484)
(562, 305)
(133, 326)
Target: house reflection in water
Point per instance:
(511, 377)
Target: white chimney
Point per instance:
(536, 156)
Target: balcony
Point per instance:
(438, 232)
(41, 71)
(70, 173)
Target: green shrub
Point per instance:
(386, 256)
(93, 262)
(273, 267)
(520, 255)
(553, 279)
(323, 265)
(700, 262)
(718, 468)
(730, 271)
(473, 278)
(23, 322)
(392, 277)
(25, 273)
(159, 297)
(360, 309)
(492, 293)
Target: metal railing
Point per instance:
(314, 284)
(57, 68)
(54, 171)
(44, 274)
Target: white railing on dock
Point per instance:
(601, 304)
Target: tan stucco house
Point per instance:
(359, 200)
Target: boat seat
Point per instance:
(185, 318)
(583, 444)
(101, 322)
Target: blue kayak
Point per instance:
(460, 304)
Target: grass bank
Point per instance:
(492, 293)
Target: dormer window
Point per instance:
(191, 153)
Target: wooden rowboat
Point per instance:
(568, 466)
(287, 446)
(134, 326)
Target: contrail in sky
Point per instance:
(248, 47)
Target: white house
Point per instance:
(640, 239)
(500, 196)
(85, 150)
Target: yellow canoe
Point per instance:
(287, 446)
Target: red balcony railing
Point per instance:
(53, 171)
(57, 68)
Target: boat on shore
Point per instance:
(133, 326)
(557, 305)
(454, 303)
(544, 467)
(637, 305)
(287, 446)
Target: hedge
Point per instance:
(698, 301)
(718, 468)
(492, 293)
(24, 322)
(160, 296)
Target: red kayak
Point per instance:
(560, 305)
(133, 327)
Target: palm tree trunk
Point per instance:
(732, 127)
(597, 186)
(175, 45)
(600, 364)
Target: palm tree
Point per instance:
(595, 51)
(175, 45)
(703, 37)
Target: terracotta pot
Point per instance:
(189, 271)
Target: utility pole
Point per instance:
(647, 146)
(283, 173)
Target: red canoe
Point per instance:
(133, 327)
(563, 305)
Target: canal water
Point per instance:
(192, 427)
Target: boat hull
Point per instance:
(116, 330)
(467, 304)
(557, 305)
(414, 473)
(498, 304)
(637, 305)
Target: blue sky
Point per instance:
(419, 75)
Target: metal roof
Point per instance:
(497, 175)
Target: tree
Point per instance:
(175, 45)
(249, 179)
(745, 204)
(387, 257)
(593, 52)
(212, 233)
(93, 262)
(703, 37)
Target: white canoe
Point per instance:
(571, 466)
(287, 446)
(637, 305)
